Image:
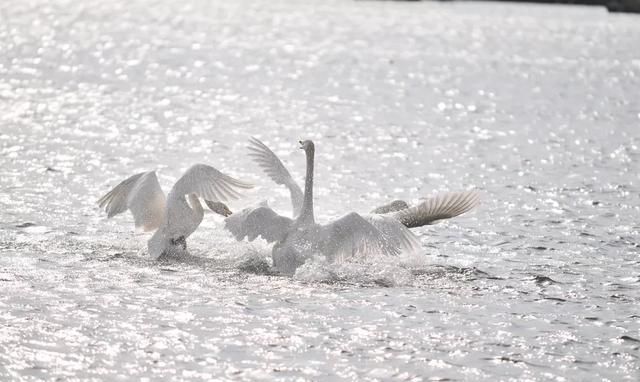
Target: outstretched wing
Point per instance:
(395, 233)
(209, 184)
(352, 235)
(259, 221)
(439, 207)
(142, 195)
(269, 162)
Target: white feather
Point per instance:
(442, 206)
(269, 162)
(142, 195)
(258, 221)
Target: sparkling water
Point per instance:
(534, 106)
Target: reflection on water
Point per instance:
(533, 105)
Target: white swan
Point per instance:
(299, 239)
(173, 218)
(442, 206)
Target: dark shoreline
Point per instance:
(621, 6)
(625, 6)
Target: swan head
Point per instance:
(307, 146)
(396, 205)
(219, 208)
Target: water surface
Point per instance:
(536, 106)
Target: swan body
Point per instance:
(174, 217)
(298, 239)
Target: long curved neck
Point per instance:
(194, 202)
(306, 215)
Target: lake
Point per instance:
(535, 106)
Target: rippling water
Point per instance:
(536, 106)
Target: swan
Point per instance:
(174, 217)
(429, 211)
(298, 239)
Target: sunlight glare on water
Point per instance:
(535, 106)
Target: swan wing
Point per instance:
(258, 221)
(269, 162)
(352, 235)
(394, 233)
(209, 184)
(439, 207)
(142, 195)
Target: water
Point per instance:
(536, 106)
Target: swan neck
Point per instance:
(194, 202)
(306, 215)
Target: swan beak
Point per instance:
(301, 145)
